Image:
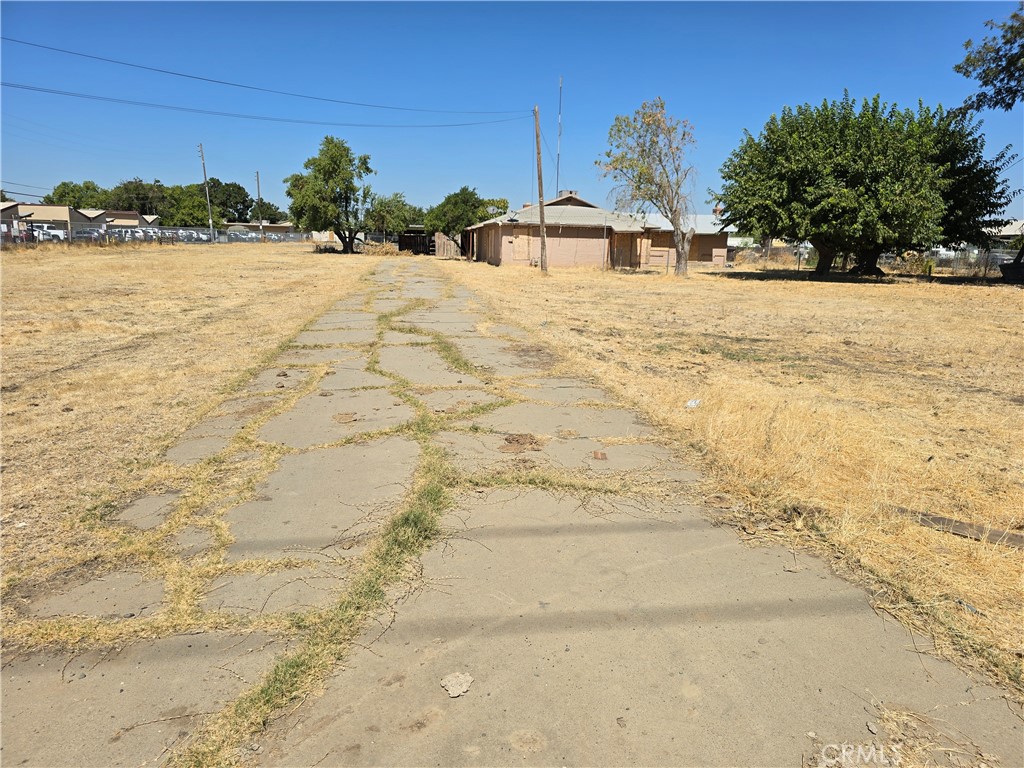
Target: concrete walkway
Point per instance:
(603, 621)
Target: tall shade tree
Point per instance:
(331, 195)
(860, 182)
(88, 194)
(976, 192)
(186, 207)
(647, 161)
(231, 199)
(388, 213)
(997, 63)
(138, 195)
(270, 213)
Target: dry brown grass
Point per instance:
(109, 354)
(822, 407)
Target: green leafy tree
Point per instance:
(186, 207)
(647, 161)
(331, 195)
(138, 195)
(975, 191)
(416, 214)
(389, 213)
(997, 63)
(266, 210)
(460, 210)
(855, 183)
(4, 198)
(230, 199)
(88, 194)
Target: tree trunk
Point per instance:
(867, 264)
(682, 243)
(826, 257)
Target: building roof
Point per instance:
(558, 213)
(570, 210)
(703, 223)
(1014, 229)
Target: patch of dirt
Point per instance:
(535, 356)
(520, 443)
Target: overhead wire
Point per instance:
(16, 184)
(242, 116)
(258, 88)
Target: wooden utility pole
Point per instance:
(206, 184)
(540, 196)
(259, 208)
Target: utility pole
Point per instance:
(206, 184)
(259, 208)
(540, 196)
(558, 148)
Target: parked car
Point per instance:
(88, 234)
(47, 232)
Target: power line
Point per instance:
(254, 87)
(30, 186)
(264, 118)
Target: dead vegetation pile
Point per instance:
(821, 413)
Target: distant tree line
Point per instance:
(177, 205)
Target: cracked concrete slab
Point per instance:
(565, 421)
(323, 503)
(336, 336)
(422, 288)
(120, 595)
(455, 400)
(124, 706)
(352, 374)
(423, 366)
(561, 391)
(308, 355)
(450, 323)
(196, 449)
(192, 541)
(148, 512)
(294, 590)
(674, 645)
(245, 408)
(226, 425)
(338, 320)
(399, 337)
(478, 451)
(497, 356)
(277, 379)
(327, 416)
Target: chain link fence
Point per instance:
(29, 232)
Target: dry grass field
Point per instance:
(109, 354)
(823, 407)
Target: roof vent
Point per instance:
(564, 192)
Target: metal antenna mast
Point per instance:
(558, 155)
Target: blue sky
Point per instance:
(724, 66)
